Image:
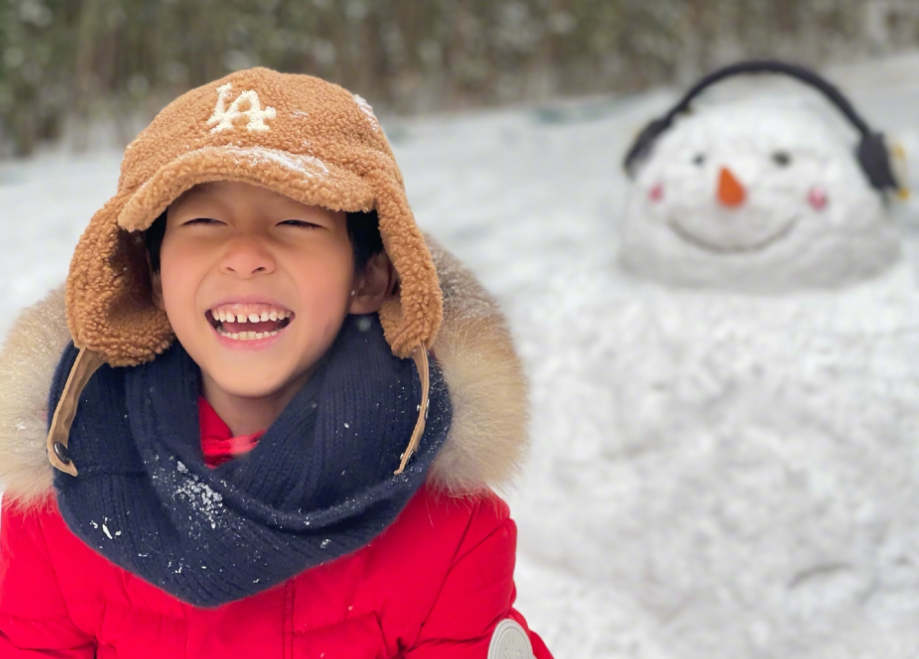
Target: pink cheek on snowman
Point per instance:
(656, 193)
(817, 198)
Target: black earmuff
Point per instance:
(872, 153)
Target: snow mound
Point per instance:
(743, 470)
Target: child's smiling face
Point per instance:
(256, 286)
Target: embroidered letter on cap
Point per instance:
(510, 641)
(224, 117)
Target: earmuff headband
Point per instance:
(872, 151)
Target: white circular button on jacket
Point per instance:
(510, 641)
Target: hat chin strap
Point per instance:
(88, 362)
(420, 357)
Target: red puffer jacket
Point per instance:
(437, 583)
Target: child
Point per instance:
(252, 453)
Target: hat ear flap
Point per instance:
(413, 317)
(109, 294)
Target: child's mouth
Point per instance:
(249, 322)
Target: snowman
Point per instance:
(726, 423)
(759, 196)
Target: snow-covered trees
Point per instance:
(70, 60)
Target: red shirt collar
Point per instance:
(217, 442)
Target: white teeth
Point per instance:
(262, 316)
(246, 336)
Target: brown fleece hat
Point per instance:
(305, 138)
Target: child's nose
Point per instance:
(247, 257)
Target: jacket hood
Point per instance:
(484, 448)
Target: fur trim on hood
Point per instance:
(487, 386)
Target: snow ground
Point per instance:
(529, 199)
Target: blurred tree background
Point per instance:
(67, 64)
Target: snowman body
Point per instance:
(727, 433)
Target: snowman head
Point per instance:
(756, 196)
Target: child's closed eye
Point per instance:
(300, 223)
(200, 221)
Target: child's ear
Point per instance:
(374, 285)
(156, 284)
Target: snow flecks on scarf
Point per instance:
(200, 495)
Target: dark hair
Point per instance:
(363, 231)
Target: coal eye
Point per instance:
(699, 160)
(781, 158)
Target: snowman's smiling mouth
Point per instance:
(715, 248)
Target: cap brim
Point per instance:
(303, 178)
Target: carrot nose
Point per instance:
(731, 192)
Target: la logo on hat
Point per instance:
(224, 117)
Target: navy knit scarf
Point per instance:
(318, 485)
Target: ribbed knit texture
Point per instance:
(318, 485)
